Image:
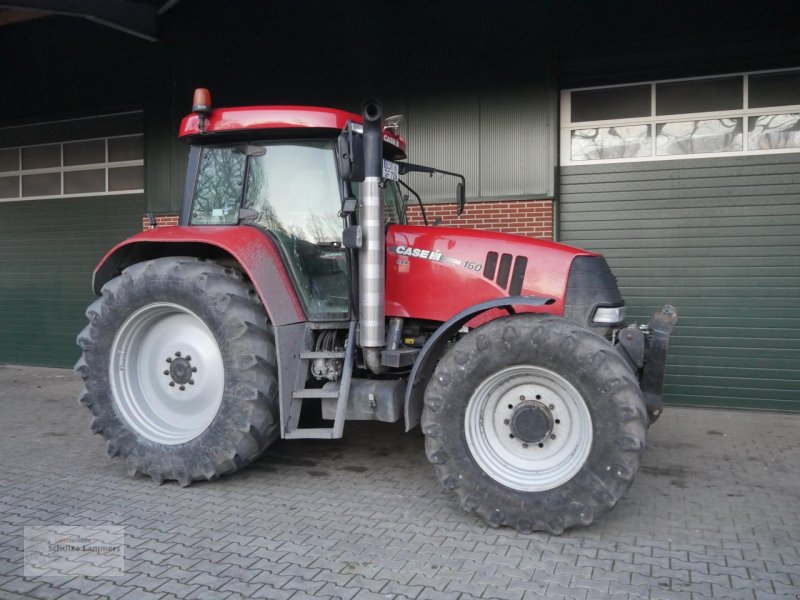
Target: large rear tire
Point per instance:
(535, 422)
(179, 370)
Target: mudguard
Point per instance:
(436, 344)
(251, 248)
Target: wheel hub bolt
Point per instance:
(180, 371)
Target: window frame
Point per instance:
(61, 169)
(566, 126)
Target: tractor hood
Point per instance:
(435, 272)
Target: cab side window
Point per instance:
(392, 204)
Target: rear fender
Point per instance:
(435, 346)
(247, 247)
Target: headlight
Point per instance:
(609, 316)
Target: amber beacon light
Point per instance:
(201, 104)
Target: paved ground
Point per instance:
(715, 512)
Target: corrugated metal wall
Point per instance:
(500, 141)
(720, 239)
(445, 133)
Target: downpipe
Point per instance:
(371, 259)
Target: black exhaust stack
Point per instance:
(373, 142)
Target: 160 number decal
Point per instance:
(473, 266)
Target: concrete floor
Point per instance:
(714, 512)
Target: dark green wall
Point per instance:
(718, 238)
(48, 250)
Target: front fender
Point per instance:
(251, 248)
(436, 344)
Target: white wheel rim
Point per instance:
(537, 467)
(159, 344)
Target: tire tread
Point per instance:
(253, 348)
(512, 340)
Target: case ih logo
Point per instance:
(432, 255)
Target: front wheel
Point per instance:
(179, 369)
(535, 422)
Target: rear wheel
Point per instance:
(535, 422)
(179, 369)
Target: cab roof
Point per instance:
(275, 120)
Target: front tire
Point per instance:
(179, 370)
(535, 422)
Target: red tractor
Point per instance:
(293, 296)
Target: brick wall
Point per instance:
(161, 221)
(532, 218)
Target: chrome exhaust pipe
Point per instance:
(371, 260)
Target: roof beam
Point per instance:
(130, 17)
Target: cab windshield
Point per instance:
(293, 189)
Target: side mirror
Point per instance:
(248, 215)
(461, 198)
(352, 236)
(350, 155)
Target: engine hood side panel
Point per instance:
(435, 272)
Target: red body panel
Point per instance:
(433, 285)
(439, 286)
(255, 252)
(282, 117)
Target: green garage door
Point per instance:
(69, 191)
(719, 239)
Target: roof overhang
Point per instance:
(134, 18)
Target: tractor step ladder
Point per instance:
(342, 392)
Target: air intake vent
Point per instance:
(504, 270)
(491, 265)
(518, 276)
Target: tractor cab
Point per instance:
(278, 169)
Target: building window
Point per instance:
(101, 166)
(741, 114)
